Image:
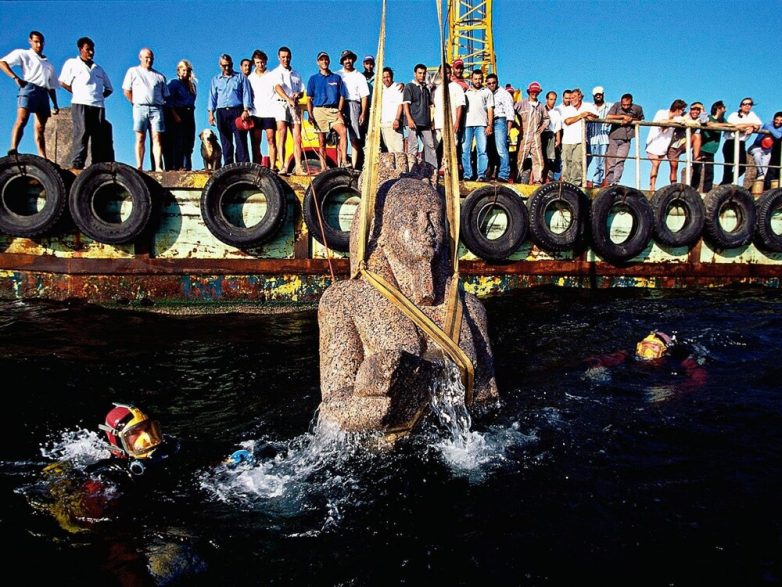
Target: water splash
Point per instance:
(80, 447)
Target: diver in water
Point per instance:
(659, 350)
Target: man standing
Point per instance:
(230, 97)
(566, 94)
(504, 115)
(479, 123)
(456, 95)
(90, 85)
(264, 106)
(327, 94)
(391, 114)
(417, 101)
(245, 66)
(458, 74)
(622, 114)
(597, 135)
(703, 161)
(369, 75)
(290, 88)
(746, 122)
(534, 119)
(147, 90)
(550, 139)
(573, 136)
(36, 86)
(356, 106)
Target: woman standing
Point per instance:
(180, 118)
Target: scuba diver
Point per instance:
(95, 497)
(659, 350)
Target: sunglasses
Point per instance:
(747, 103)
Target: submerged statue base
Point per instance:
(377, 368)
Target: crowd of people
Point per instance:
(500, 134)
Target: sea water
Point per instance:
(630, 474)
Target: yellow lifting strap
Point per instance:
(446, 338)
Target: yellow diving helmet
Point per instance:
(654, 346)
(131, 433)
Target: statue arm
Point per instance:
(475, 316)
(341, 351)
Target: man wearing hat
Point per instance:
(597, 139)
(327, 93)
(230, 98)
(458, 74)
(533, 120)
(356, 106)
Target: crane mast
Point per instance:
(470, 35)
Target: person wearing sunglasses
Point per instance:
(746, 122)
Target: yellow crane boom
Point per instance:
(470, 35)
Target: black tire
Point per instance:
(225, 187)
(636, 204)
(102, 223)
(329, 185)
(742, 202)
(573, 201)
(767, 205)
(23, 179)
(475, 212)
(690, 202)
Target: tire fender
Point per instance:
(767, 205)
(18, 217)
(224, 184)
(690, 201)
(717, 201)
(326, 186)
(637, 206)
(475, 213)
(566, 197)
(91, 184)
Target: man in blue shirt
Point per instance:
(230, 97)
(327, 94)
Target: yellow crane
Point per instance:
(470, 35)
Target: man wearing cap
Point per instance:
(497, 143)
(458, 74)
(597, 139)
(147, 90)
(572, 136)
(36, 85)
(622, 114)
(231, 98)
(356, 106)
(533, 120)
(417, 102)
(327, 94)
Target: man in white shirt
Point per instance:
(478, 124)
(290, 88)
(90, 85)
(147, 90)
(504, 114)
(573, 117)
(36, 85)
(746, 122)
(456, 95)
(262, 83)
(356, 105)
(391, 111)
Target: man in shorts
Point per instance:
(264, 106)
(356, 105)
(147, 90)
(289, 88)
(327, 94)
(36, 85)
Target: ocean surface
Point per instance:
(582, 474)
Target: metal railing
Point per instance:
(688, 128)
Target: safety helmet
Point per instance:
(654, 346)
(131, 433)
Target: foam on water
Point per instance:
(79, 447)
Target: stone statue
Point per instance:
(377, 367)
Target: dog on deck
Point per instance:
(211, 152)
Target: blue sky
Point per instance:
(658, 51)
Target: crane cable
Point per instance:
(447, 338)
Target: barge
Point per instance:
(245, 238)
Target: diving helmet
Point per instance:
(654, 346)
(131, 433)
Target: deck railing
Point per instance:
(689, 128)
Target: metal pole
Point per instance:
(736, 157)
(583, 152)
(688, 156)
(637, 155)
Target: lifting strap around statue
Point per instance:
(447, 338)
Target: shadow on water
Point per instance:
(623, 475)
